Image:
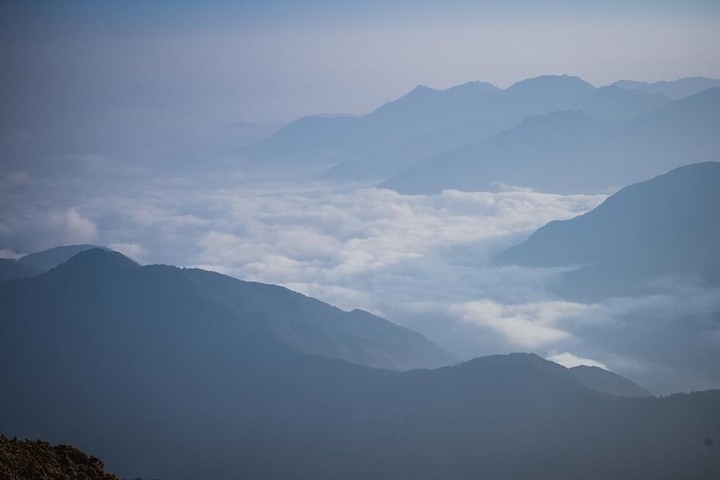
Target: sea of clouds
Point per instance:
(424, 262)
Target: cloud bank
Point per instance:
(421, 261)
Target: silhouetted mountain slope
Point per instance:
(51, 258)
(304, 323)
(10, 268)
(680, 88)
(312, 326)
(669, 225)
(600, 380)
(557, 92)
(557, 152)
(185, 374)
(252, 408)
(33, 460)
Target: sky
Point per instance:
(105, 103)
(277, 60)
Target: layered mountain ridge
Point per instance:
(426, 123)
(572, 152)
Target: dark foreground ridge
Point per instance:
(666, 226)
(35, 459)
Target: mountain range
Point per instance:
(223, 379)
(572, 152)
(676, 89)
(427, 123)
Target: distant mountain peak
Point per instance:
(519, 359)
(474, 85)
(591, 378)
(52, 257)
(422, 89)
(544, 81)
(98, 259)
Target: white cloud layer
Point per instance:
(421, 261)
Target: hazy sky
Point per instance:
(273, 60)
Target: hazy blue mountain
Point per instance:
(425, 108)
(614, 103)
(603, 381)
(680, 88)
(669, 225)
(323, 141)
(426, 122)
(376, 164)
(541, 152)
(570, 152)
(11, 268)
(51, 258)
(501, 111)
(309, 141)
(535, 96)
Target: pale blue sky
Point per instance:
(275, 60)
